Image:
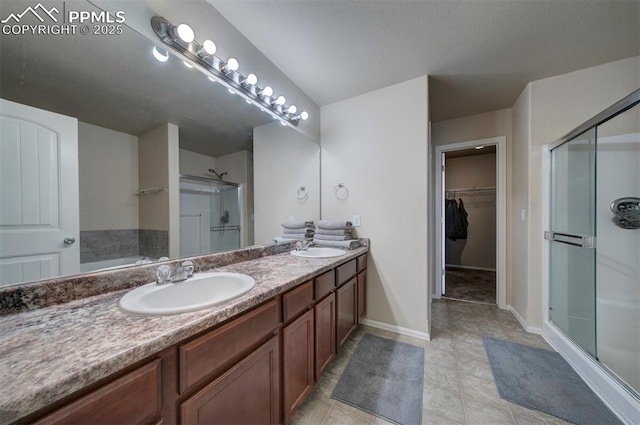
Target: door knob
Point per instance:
(69, 240)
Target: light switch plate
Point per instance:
(522, 214)
(356, 221)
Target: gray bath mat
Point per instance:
(542, 380)
(384, 378)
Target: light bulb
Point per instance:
(267, 91)
(212, 79)
(292, 109)
(282, 122)
(479, 147)
(231, 65)
(281, 100)
(304, 115)
(231, 91)
(251, 80)
(187, 64)
(185, 33)
(208, 48)
(160, 56)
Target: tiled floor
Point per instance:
(458, 384)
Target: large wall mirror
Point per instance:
(112, 156)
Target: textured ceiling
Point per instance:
(479, 54)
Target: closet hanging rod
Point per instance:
(471, 190)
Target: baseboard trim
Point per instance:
(619, 400)
(530, 329)
(397, 329)
(457, 266)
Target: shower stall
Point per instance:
(210, 215)
(593, 246)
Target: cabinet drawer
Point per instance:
(362, 262)
(297, 300)
(325, 283)
(345, 272)
(133, 398)
(248, 393)
(216, 350)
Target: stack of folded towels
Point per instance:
(335, 234)
(297, 229)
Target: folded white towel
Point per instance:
(333, 224)
(297, 224)
(297, 236)
(331, 237)
(350, 244)
(337, 232)
(306, 230)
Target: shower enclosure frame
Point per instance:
(613, 393)
(241, 205)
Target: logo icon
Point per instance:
(34, 11)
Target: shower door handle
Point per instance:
(569, 239)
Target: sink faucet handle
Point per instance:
(188, 265)
(163, 275)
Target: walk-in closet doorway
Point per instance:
(471, 221)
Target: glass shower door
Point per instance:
(225, 218)
(572, 254)
(618, 254)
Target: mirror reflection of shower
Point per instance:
(210, 215)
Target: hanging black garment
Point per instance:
(458, 227)
(449, 229)
(463, 219)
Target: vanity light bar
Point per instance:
(224, 72)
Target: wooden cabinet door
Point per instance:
(325, 333)
(347, 319)
(297, 353)
(248, 393)
(134, 398)
(362, 295)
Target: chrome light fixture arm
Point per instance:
(218, 69)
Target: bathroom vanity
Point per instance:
(250, 360)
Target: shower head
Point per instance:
(219, 176)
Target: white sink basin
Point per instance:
(201, 291)
(319, 253)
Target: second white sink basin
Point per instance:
(201, 291)
(319, 253)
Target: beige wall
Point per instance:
(283, 161)
(479, 249)
(158, 153)
(196, 164)
(377, 145)
(472, 127)
(108, 178)
(556, 106)
(517, 287)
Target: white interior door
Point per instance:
(39, 213)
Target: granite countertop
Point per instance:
(49, 353)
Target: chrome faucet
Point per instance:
(168, 274)
(303, 245)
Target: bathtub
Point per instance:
(115, 263)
